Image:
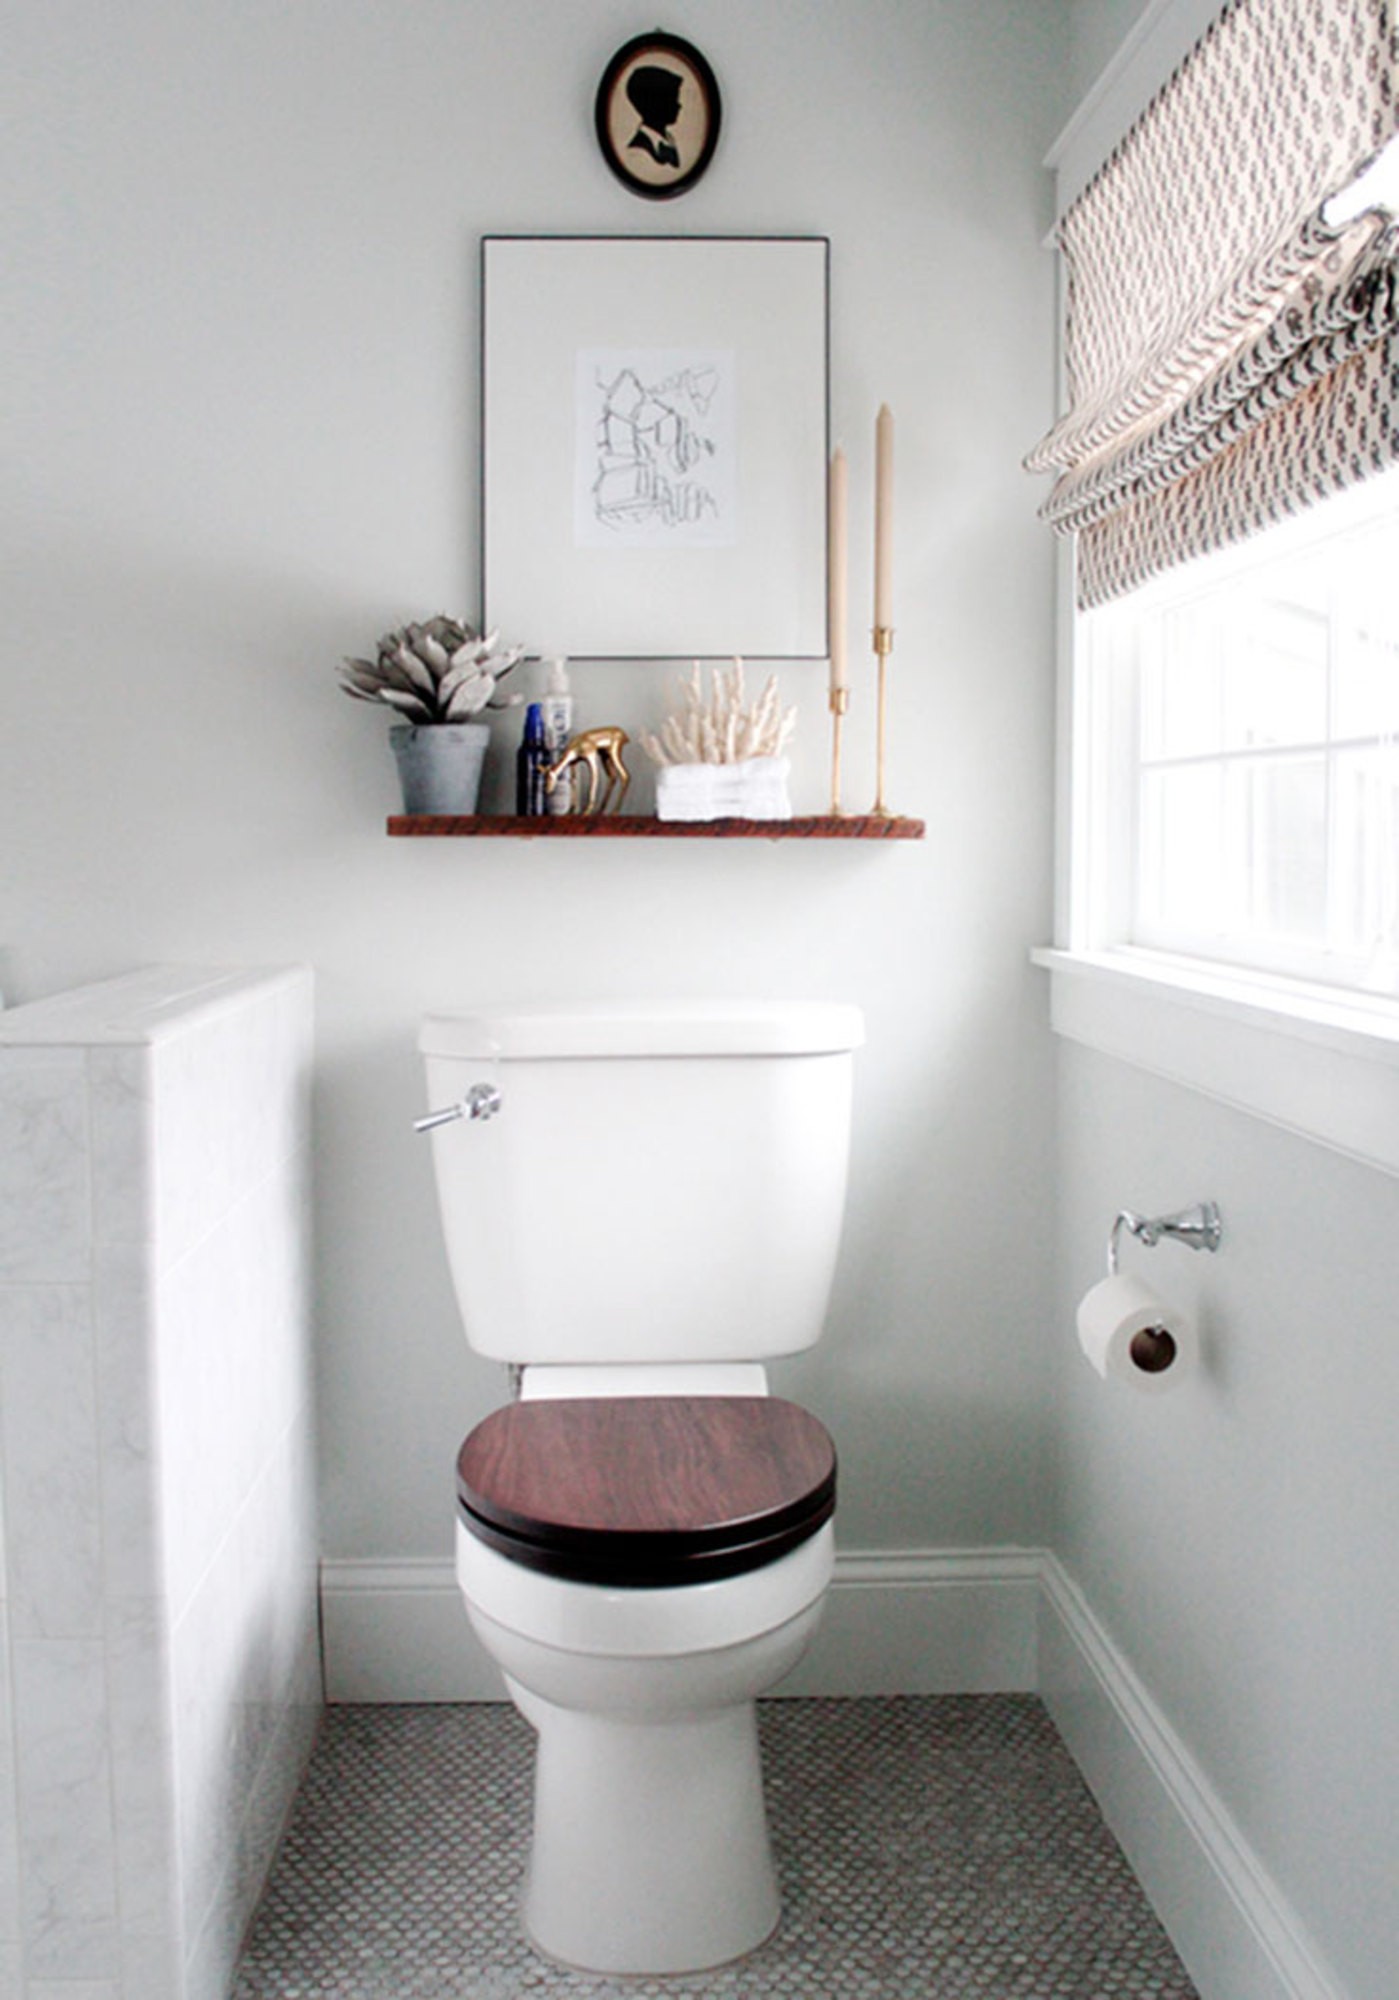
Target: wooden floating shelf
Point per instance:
(636, 826)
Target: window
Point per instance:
(1241, 774)
(1229, 240)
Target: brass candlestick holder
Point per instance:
(840, 702)
(883, 646)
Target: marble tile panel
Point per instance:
(230, 1104)
(278, 1781)
(151, 1968)
(74, 1989)
(129, 1008)
(204, 1386)
(269, 1246)
(128, 1439)
(208, 1657)
(246, 1714)
(45, 1220)
(68, 1874)
(48, 1434)
(123, 1157)
(10, 1927)
(233, 1370)
(277, 1570)
(143, 1765)
(212, 1961)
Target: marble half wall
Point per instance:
(159, 1663)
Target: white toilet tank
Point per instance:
(659, 1185)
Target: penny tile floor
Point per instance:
(930, 1848)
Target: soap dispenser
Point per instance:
(558, 728)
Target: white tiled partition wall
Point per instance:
(159, 1664)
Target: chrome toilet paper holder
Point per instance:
(1198, 1228)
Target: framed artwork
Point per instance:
(657, 115)
(654, 441)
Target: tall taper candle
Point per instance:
(883, 519)
(837, 582)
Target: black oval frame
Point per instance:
(661, 45)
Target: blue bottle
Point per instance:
(531, 762)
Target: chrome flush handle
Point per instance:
(482, 1101)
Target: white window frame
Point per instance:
(1319, 1061)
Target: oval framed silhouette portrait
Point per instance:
(657, 115)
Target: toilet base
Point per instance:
(650, 1850)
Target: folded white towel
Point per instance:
(754, 789)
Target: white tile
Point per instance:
(230, 1104)
(151, 1968)
(44, 1213)
(123, 1158)
(143, 1770)
(202, 1395)
(234, 1367)
(68, 1877)
(248, 1700)
(206, 1648)
(73, 1989)
(10, 1928)
(276, 1575)
(213, 1958)
(53, 1497)
(130, 1008)
(268, 1247)
(128, 1442)
(270, 1803)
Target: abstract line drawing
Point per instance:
(655, 461)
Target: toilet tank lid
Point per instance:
(701, 1028)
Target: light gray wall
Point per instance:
(245, 295)
(1097, 29)
(1237, 1537)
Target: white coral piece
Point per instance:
(725, 728)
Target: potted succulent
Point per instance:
(437, 677)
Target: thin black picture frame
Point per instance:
(542, 296)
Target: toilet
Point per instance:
(642, 1207)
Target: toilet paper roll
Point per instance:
(1132, 1336)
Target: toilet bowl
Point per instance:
(650, 1845)
(641, 1569)
(644, 1538)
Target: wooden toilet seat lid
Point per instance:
(647, 1491)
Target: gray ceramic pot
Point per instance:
(439, 766)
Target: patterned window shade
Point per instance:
(1231, 356)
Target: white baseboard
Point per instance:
(911, 1622)
(398, 1631)
(1239, 1937)
(972, 1621)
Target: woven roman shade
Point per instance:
(1231, 356)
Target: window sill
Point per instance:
(1318, 1062)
